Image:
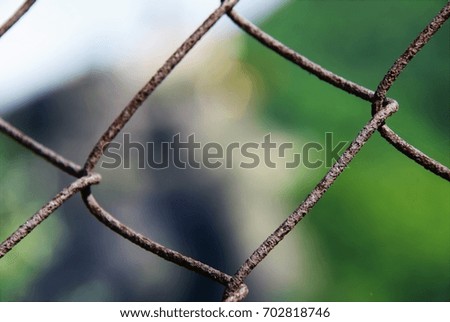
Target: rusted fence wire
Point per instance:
(235, 288)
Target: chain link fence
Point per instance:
(382, 107)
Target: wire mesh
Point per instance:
(235, 288)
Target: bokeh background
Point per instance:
(381, 233)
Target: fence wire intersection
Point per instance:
(235, 288)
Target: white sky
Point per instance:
(58, 40)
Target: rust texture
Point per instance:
(235, 289)
(46, 211)
(16, 16)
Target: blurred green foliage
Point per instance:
(21, 189)
(383, 229)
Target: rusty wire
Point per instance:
(16, 16)
(235, 289)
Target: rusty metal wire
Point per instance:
(235, 289)
(16, 16)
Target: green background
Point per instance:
(384, 226)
